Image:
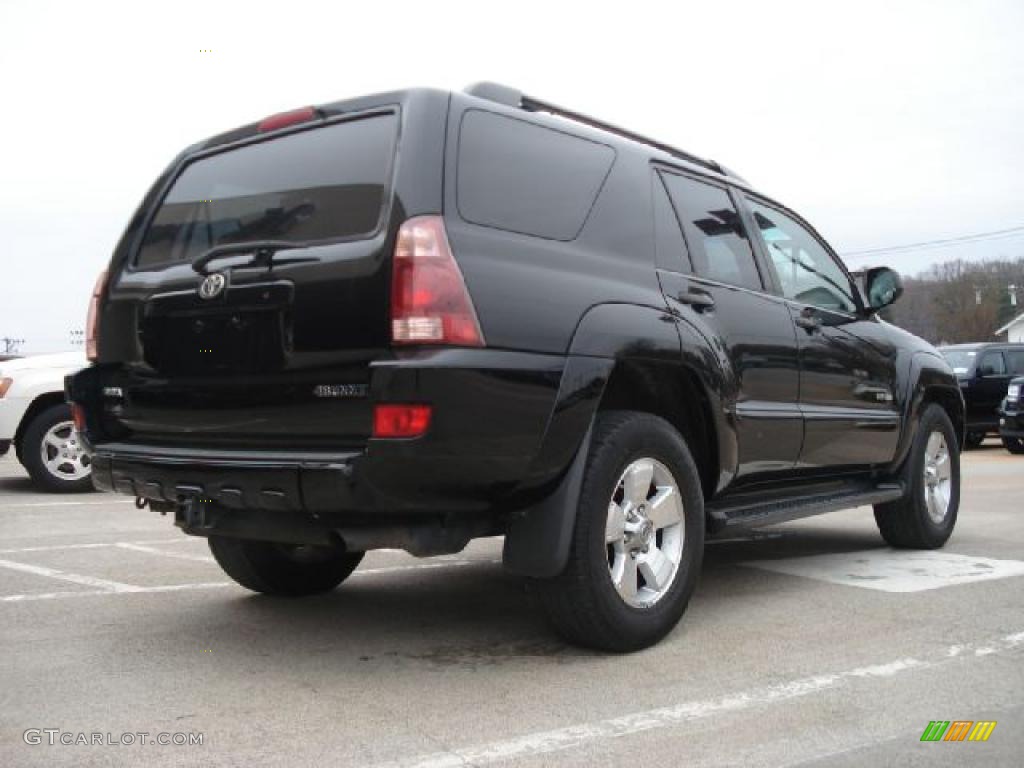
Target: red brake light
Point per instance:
(400, 420)
(429, 300)
(92, 318)
(284, 119)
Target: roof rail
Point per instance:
(510, 97)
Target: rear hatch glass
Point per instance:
(313, 186)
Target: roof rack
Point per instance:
(510, 97)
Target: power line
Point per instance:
(994, 234)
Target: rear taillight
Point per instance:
(284, 119)
(78, 416)
(92, 319)
(391, 420)
(5, 384)
(429, 300)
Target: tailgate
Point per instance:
(260, 347)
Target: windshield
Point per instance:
(322, 184)
(960, 360)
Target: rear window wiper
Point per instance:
(262, 251)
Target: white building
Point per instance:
(1013, 329)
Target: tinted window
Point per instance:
(992, 364)
(322, 184)
(960, 360)
(669, 243)
(525, 178)
(718, 244)
(1015, 360)
(806, 271)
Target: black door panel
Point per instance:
(848, 387)
(756, 343)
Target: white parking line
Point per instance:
(154, 551)
(35, 504)
(893, 570)
(97, 545)
(74, 578)
(107, 588)
(52, 548)
(560, 739)
(31, 597)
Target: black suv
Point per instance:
(984, 372)
(1011, 416)
(417, 318)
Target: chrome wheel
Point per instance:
(644, 533)
(62, 454)
(938, 477)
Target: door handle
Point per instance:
(699, 300)
(809, 322)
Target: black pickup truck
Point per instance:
(1011, 417)
(417, 318)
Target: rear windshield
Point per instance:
(322, 184)
(960, 360)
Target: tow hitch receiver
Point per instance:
(194, 512)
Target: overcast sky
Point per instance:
(883, 123)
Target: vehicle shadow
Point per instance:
(17, 485)
(464, 617)
(468, 616)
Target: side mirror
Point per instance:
(882, 286)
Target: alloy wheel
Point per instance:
(645, 533)
(62, 453)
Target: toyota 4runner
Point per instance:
(417, 318)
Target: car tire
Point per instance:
(924, 518)
(50, 452)
(973, 440)
(284, 570)
(1014, 444)
(615, 595)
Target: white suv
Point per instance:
(36, 420)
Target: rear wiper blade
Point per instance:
(262, 254)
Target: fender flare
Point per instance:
(538, 538)
(927, 373)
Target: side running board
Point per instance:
(746, 512)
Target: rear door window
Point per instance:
(718, 245)
(1015, 361)
(317, 185)
(522, 177)
(992, 364)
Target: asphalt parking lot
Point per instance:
(806, 644)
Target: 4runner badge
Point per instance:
(340, 390)
(212, 286)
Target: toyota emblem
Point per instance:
(212, 286)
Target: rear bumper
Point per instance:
(498, 438)
(12, 410)
(313, 483)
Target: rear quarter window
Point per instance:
(526, 178)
